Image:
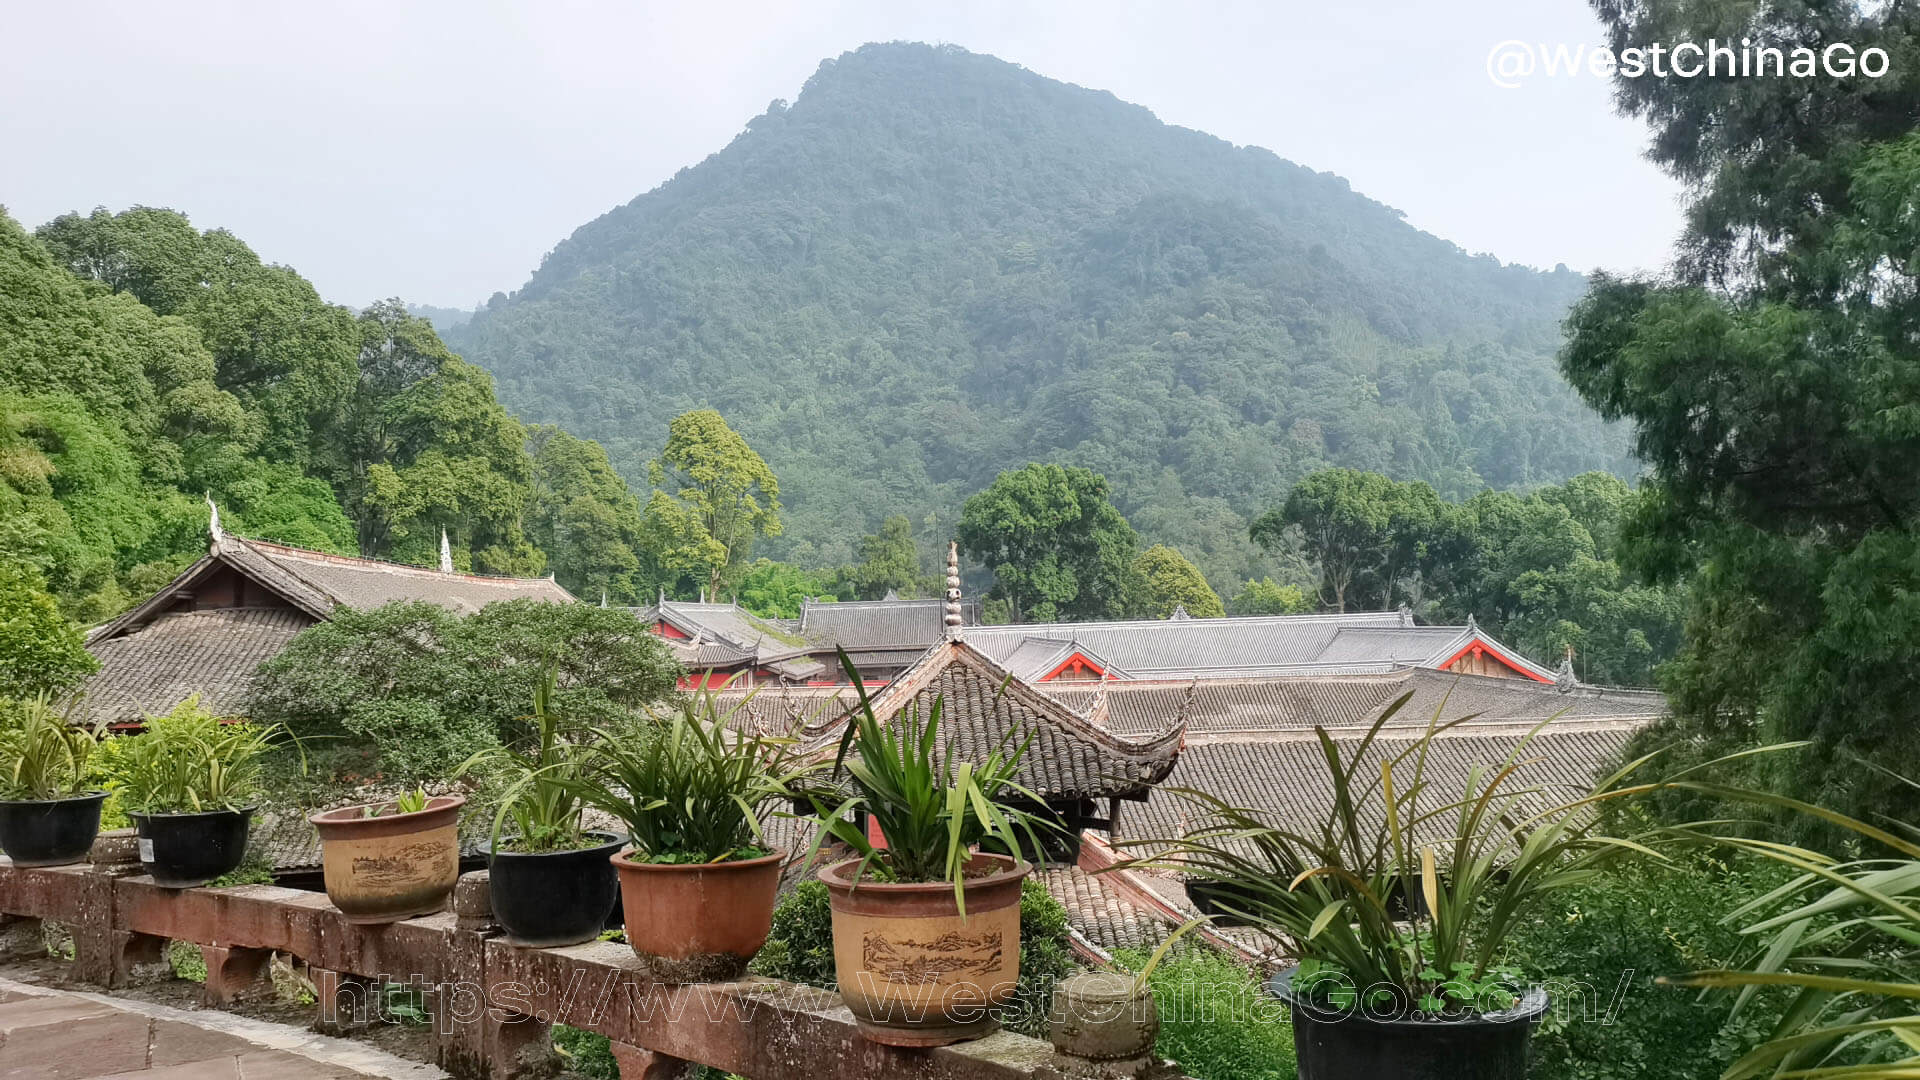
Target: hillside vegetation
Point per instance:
(934, 265)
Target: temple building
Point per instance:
(209, 629)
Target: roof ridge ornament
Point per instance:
(1564, 679)
(446, 553)
(952, 619)
(1473, 625)
(1179, 613)
(214, 535)
(1406, 614)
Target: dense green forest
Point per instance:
(933, 266)
(147, 367)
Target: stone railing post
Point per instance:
(475, 1038)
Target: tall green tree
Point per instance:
(1368, 533)
(1772, 382)
(889, 562)
(425, 447)
(1268, 597)
(40, 651)
(716, 497)
(1168, 581)
(583, 515)
(1056, 545)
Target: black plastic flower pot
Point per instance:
(183, 851)
(50, 832)
(1359, 1045)
(553, 898)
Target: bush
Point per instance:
(800, 949)
(1216, 1020)
(425, 688)
(1611, 939)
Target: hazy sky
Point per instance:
(436, 151)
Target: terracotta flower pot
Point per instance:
(698, 922)
(912, 970)
(391, 867)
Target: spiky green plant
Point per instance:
(934, 811)
(689, 788)
(542, 799)
(1844, 936)
(1402, 888)
(189, 761)
(43, 754)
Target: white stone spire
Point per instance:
(952, 618)
(446, 553)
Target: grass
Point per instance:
(1216, 1020)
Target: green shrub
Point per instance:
(1216, 1020)
(800, 948)
(1611, 939)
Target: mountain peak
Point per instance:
(934, 264)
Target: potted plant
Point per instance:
(926, 928)
(552, 881)
(49, 811)
(393, 859)
(189, 783)
(697, 882)
(1397, 906)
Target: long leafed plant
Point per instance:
(933, 810)
(1844, 939)
(188, 761)
(43, 754)
(543, 797)
(1403, 888)
(689, 788)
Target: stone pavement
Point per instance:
(50, 1034)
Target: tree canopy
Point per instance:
(421, 689)
(1056, 545)
(1769, 382)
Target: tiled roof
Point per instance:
(1231, 707)
(1099, 914)
(1351, 644)
(876, 624)
(1072, 755)
(724, 635)
(212, 653)
(316, 583)
(1283, 778)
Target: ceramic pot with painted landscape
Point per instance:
(698, 922)
(50, 832)
(185, 851)
(547, 898)
(390, 866)
(911, 968)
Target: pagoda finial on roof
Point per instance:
(1406, 614)
(1564, 679)
(603, 598)
(952, 618)
(661, 603)
(1473, 625)
(214, 535)
(892, 594)
(446, 553)
(1179, 613)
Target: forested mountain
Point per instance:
(934, 265)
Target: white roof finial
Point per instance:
(446, 553)
(952, 619)
(214, 535)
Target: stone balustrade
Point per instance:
(492, 1003)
